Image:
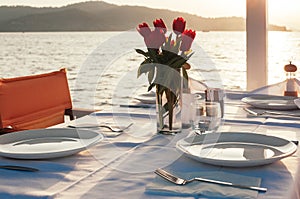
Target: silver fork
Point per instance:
(113, 129)
(268, 112)
(180, 181)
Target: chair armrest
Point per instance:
(5, 130)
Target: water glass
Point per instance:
(188, 100)
(207, 116)
(215, 95)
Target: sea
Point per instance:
(102, 66)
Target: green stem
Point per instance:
(160, 108)
(170, 107)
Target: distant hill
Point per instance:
(101, 16)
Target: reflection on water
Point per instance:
(220, 58)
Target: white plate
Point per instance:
(46, 143)
(271, 102)
(236, 149)
(148, 94)
(147, 98)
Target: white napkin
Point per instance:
(278, 88)
(163, 187)
(297, 102)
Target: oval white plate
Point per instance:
(271, 102)
(148, 94)
(147, 98)
(235, 149)
(46, 143)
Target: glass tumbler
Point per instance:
(207, 116)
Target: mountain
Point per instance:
(102, 16)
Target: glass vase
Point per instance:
(168, 110)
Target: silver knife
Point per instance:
(18, 168)
(138, 106)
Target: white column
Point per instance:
(257, 41)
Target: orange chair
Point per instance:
(36, 101)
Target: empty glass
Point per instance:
(207, 116)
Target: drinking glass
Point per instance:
(207, 116)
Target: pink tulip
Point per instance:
(143, 29)
(155, 39)
(188, 37)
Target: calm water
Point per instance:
(102, 65)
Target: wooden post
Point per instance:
(257, 42)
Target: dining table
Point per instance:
(122, 164)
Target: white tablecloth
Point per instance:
(122, 166)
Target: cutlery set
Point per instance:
(160, 172)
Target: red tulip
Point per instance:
(160, 24)
(179, 25)
(155, 39)
(188, 37)
(143, 29)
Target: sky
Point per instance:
(280, 12)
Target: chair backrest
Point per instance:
(35, 101)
